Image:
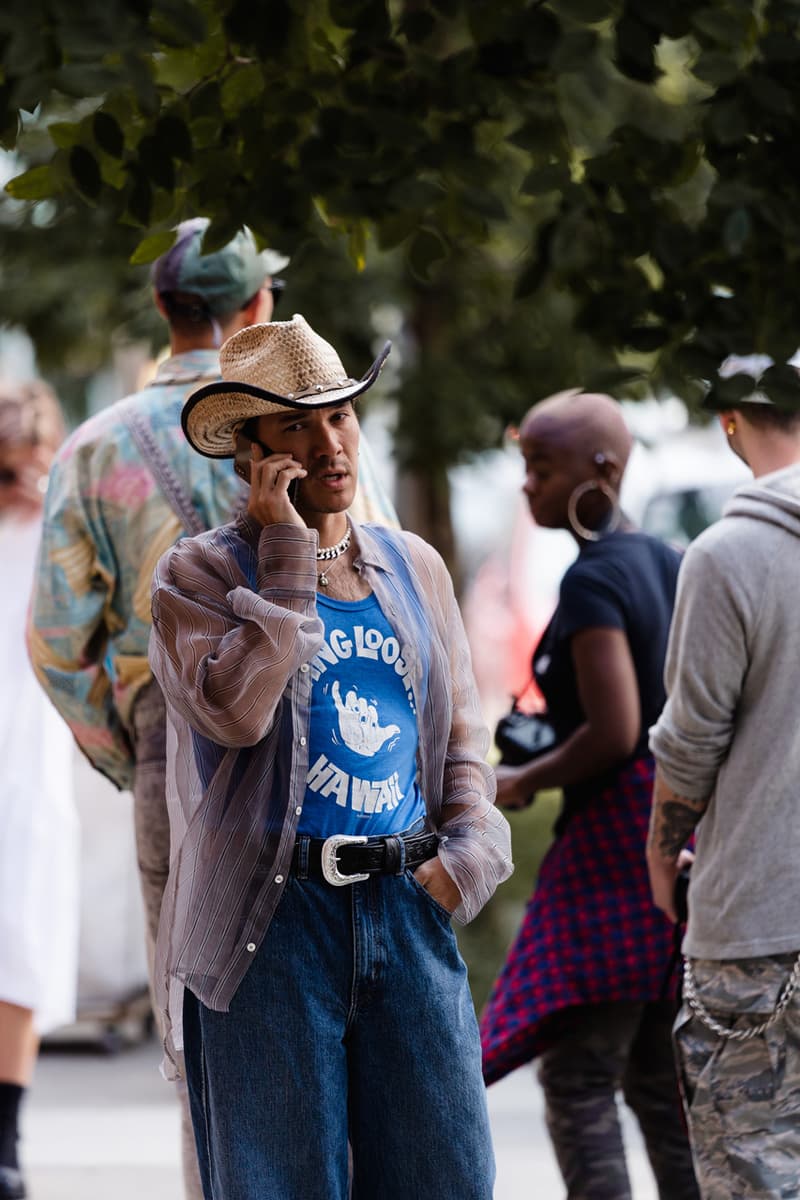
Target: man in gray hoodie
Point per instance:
(727, 748)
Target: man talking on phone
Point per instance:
(123, 488)
(331, 810)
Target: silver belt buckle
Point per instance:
(330, 862)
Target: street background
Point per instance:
(101, 1126)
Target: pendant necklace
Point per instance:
(329, 553)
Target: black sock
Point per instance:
(10, 1099)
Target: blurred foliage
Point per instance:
(486, 940)
(555, 192)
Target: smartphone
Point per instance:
(243, 458)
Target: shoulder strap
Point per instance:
(162, 472)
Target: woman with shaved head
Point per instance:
(585, 987)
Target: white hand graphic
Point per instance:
(358, 723)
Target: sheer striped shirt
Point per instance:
(235, 627)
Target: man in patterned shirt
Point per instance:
(124, 487)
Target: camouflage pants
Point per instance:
(743, 1098)
(600, 1048)
(151, 822)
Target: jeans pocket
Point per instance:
(438, 908)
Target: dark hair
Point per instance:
(767, 416)
(186, 313)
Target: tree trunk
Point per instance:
(423, 505)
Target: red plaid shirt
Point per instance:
(590, 933)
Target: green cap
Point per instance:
(226, 279)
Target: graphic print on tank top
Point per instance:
(363, 736)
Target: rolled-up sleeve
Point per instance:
(222, 652)
(476, 839)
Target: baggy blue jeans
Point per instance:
(354, 1023)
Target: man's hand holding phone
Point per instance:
(270, 477)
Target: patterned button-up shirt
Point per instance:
(106, 524)
(235, 629)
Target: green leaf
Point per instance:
(725, 26)
(65, 134)
(394, 229)
(179, 22)
(716, 68)
(85, 79)
(485, 203)
(140, 199)
(152, 247)
(777, 47)
(771, 96)
(108, 134)
(548, 178)
(180, 70)
(635, 49)
(357, 245)
(531, 278)
(573, 51)
(139, 75)
(587, 12)
(611, 378)
(155, 163)
(36, 184)
(647, 338)
(221, 231)
(426, 253)
(173, 137)
(729, 122)
(415, 194)
(85, 171)
(113, 172)
(244, 86)
(418, 26)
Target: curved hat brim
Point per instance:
(212, 414)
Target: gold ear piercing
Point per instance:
(731, 428)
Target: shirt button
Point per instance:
(251, 946)
(304, 668)
(302, 741)
(279, 879)
(298, 810)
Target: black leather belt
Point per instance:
(344, 859)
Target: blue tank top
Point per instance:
(363, 734)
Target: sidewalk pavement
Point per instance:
(104, 1127)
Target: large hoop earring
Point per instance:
(583, 531)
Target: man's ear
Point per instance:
(260, 308)
(159, 303)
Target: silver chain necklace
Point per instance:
(328, 553)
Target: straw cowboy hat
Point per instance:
(267, 369)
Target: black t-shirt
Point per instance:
(623, 581)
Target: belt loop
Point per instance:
(303, 844)
(394, 855)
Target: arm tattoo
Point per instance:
(678, 819)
